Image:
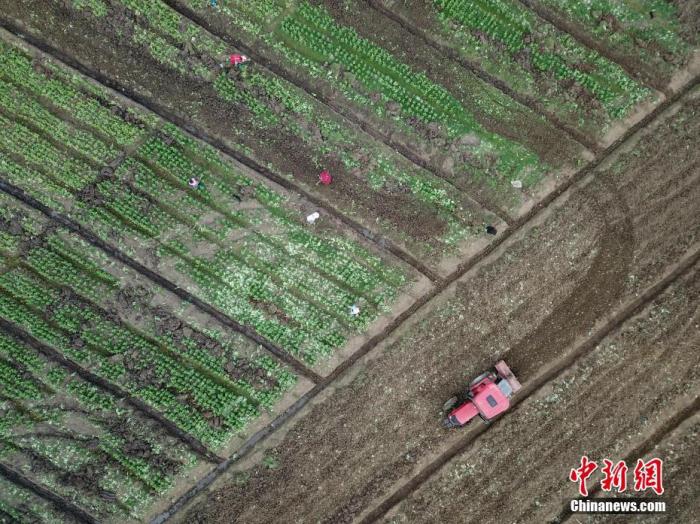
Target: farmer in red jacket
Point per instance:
(236, 59)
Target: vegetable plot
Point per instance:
(235, 243)
(654, 37)
(67, 435)
(581, 88)
(292, 134)
(53, 286)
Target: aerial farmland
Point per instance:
(353, 261)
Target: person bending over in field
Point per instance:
(195, 183)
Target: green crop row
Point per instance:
(58, 87)
(274, 264)
(549, 51)
(30, 110)
(648, 27)
(73, 173)
(73, 429)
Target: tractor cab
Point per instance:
(487, 396)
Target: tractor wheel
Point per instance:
(447, 406)
(448, 424)
(479, 379)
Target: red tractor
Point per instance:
(488, 396)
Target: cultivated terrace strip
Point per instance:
(531, 57)
(435, 112)
(651, 38)
(262, 117)
(235, 242)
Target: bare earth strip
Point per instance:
(678, 449)
(648, 367)
(607, 243)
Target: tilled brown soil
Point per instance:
(678, 449)
(613, 399)
(546, 287)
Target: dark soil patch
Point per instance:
(346, 191)
(13, 225)
(689, 16)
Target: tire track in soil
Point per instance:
(642, 449)
(58, 501)
(183, 123)
(22, 335)
(329, 104)
(533, 386)
(159, 280)
(567, 414)
(468, 265)
(442, 285)
(598, 291)
(474, 68)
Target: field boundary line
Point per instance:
(578, 177)
(93, 239)
(442, 284)
(327, 103)
(584, 39)
(64, 505)
(463, 269)
(644, 447)
(611, 326)
(182, 123)
(22, 335)
(474, 68)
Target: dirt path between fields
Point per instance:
(608, 242)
